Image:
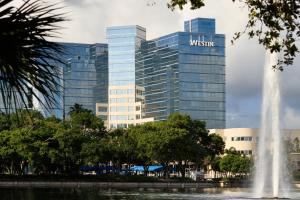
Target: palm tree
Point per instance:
(28, 61)
(78, 108)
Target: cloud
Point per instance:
(76, 2)
(88, 23)
(291, 118)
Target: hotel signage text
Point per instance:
(201, 43)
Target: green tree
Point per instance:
(5, 123)
(179, 139)
(274, 23)
(233, 163)
(85, 120)
(24, 118)
(160, 143)
(226, 163)
(71, 142)
(138, 136)
(197, 145)
(27, 59)
(10, 158)
(77, 108)
(215, 165)
(217, 145)
(296, 145)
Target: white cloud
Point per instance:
(291, 118)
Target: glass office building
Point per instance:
(85, 76)
(185, 72)
(132, 80)
(126, 101)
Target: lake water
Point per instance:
(126, 194)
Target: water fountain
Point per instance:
(271, 172)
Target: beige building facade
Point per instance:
(244, 140)
(125, 107)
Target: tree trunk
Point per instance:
(146, 167)
(182, 169)
(166, 171)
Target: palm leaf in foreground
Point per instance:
(28, 61)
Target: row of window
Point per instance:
(204, 98)
(121, 82)
(202, 105)
(215, 51)
(201, 59)
(102, 109)
(205, 69)
(119, 109)
(201, 87)
(241, 138)
(119, 91)
(118, 125)
(122, 109)
(210, 78)
(245, 152)
(203, 95)
(206, 115)
(121, 100)
(124, 117)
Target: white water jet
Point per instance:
(270, 163)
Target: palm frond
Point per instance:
(28, 60)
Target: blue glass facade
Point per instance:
(126, 103)
(122, 43)
(185, 72)
(85, 75)
(158, 72)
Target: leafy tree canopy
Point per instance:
(275, 23)
(85, 119)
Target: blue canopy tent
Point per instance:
(151, 168)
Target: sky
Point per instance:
(245, 59)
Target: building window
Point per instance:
(103, 117)
(113, 126)
(245, 152)
(139, 92)
(118, 117)
(138, 116)
(241, 138)
(121, 125)
(121, 91)
(130, 108)
(131, 100)
(102, 109)
(130, 91)
(131, 117)
(113, 92)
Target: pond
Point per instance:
(126, 194)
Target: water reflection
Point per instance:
(125, 194)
